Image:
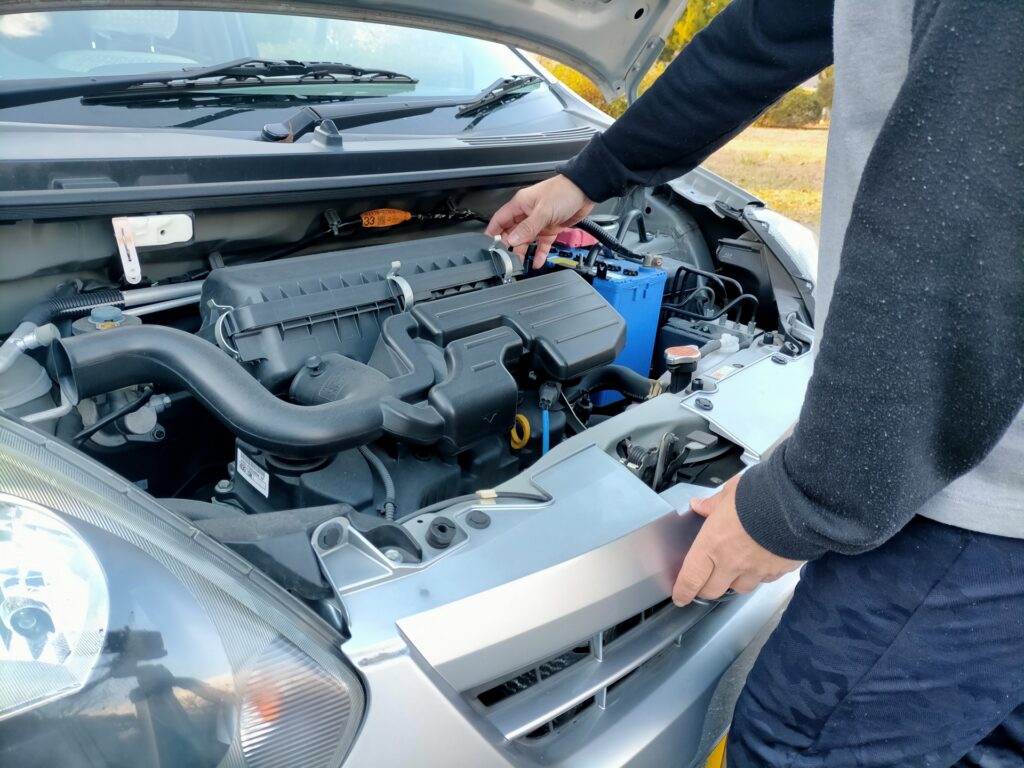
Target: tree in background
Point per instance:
(696, 16)
(799, 108)
(826, 86)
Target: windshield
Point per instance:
(64, 44)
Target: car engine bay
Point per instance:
(277, 366)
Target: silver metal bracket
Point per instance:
(405, 295)
(504, 259)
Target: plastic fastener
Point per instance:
(441, 533)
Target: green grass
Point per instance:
(784, 167)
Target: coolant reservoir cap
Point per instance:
(683, 354)
(107, 316)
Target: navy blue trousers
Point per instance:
(909, 655)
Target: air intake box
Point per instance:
(453, 292)
(279, 313)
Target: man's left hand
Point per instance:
(723, 555)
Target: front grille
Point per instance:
(551, 694)
(534, 675)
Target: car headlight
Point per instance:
(127, 637)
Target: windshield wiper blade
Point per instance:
(237, 73)
(499, 92)
(347, 116)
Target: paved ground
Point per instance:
(783, 167)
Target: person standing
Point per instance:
(902, 486)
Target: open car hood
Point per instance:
(614, 42)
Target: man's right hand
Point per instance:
(539, 213)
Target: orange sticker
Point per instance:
(384, 217)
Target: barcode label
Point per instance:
(253, 473)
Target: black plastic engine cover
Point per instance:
(277, 314)
(566, 326)
(433, 364)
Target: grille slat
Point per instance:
(539, 701)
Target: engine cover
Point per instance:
(432, 331)
(277, 314)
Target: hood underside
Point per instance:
(614, 42)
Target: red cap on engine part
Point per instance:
(683, 354)
(575, 238)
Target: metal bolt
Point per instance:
(315, 365)
(393, 555)
(703, 403)
(223, 486)
(780, 359)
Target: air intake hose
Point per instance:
(95, 363)
(617, 378)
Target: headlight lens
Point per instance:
(127, 637)
(53, 607)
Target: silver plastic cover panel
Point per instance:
(758, 406)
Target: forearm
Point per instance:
(751, 54)
(921, 365)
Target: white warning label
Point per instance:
(724, 371)
(253, 473)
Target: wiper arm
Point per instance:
(500, 91)
(236, 73)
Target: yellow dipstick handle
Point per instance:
(520, 432)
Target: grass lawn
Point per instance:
(784, 167)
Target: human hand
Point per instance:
(539, 213)
(723, 555)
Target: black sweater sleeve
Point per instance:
(751, 54)
(921, 364)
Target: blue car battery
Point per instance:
(635, 292)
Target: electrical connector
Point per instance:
(548, 395)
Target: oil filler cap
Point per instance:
(441, 533)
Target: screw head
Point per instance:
(703, 403)
(393, 555)
(315, 365)
(224, 486)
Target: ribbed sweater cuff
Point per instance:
(596, 171)
(763, 496)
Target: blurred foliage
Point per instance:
(696, 16)
(802, 108)
(826, 86)
(799, 108)
(585, 87)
